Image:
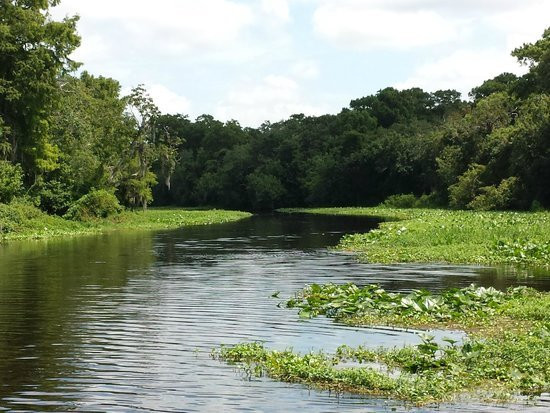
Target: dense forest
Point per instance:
(67, 135)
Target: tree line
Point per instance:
(64, 136)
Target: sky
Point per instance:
(264, 60)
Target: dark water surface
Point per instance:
(126, 321)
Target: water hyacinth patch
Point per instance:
(523, 251)
(507, 353)
(340, 301)
(439, 235)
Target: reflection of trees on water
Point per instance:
(44, 286)
(203, 245)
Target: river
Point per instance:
(126, 321)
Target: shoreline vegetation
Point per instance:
(24, 222)
(70, 139)
(504, 357)
(447, 236)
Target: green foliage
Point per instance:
(16, 215)
(144, 149)
(537, 56)
(315, 369)
(340, 301)
(436, 235)
(11, 181)
(524, 251)
(493, 197)
(53, 197)
(506, 356)
(137, 190)
(34, 51)
(432, 200)
(411, 201)
(21, 220)
(264, 190)
(468, 186)
(501, 83)
(400, 201)
(96, 204)
(71, 134)
(91, 128)
(158, 218)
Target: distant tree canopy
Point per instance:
(64, 136)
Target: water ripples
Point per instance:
(127, 322)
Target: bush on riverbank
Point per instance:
(21, 220)
(437, 235)
(11, 181)
(411, 201)
(95, 204)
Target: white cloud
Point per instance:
(365, 25)
(513, 22)
(405, 24)
(462, 70)
(169, 101)
(274, 98)
(462, 7)
(165, 26)
(93, 48)
(305, 69)
(277, 8)
(526, 24)
(204, 49)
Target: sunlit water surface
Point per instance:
(127, 321)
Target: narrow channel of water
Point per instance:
(126, 321)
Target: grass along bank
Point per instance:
(22, 221)
(506, 353)
(436, 235)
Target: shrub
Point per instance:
(264, 190)
(96, 204)
(10, 218)
(496, 197)
(536, 206)
(11, 181)
(15, 215)
(432, 200)
(400, 201)
(410, 201)
(467, 187)
(55, 197)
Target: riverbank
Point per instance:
(20, 221)
(446, 236)
(504, 357)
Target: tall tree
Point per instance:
(537, 57)
(34, 51)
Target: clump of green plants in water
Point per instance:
(493, 369)
(506, 354)
(524, 251)
(438, 235)
(341, 301)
